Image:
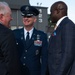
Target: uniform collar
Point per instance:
(30, 32)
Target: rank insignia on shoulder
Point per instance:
(38, 43)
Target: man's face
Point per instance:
(29, 21)
(7, 19)
(53, 15)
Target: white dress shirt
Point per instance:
(30, 33)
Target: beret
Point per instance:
(28, 10)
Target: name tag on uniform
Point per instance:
(38, 43)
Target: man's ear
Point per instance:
(1, 15)
(35, 19)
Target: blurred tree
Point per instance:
(51, 25)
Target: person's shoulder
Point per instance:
(69, 22)
(4, 30)
(41, 32)
(5, 33)
(18, 30)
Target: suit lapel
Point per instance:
(59, 29)
(31, 41)
(63, 22)
(22, 36)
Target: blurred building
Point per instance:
(15, 5)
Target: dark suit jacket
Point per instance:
(30, 55)
(8, 53)
(61, 55)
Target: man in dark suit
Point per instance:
(32, 44)
(9, 60)
(61, 55)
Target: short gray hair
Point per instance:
(2, 7)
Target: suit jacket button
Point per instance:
(17, 43)
(25, 50)
(24, 64)
(24, 57)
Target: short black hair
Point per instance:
(60, 5)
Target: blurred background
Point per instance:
(43, 20)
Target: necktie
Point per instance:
(27, 38)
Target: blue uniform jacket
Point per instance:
(34, 56)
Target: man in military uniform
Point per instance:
(31, 43)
